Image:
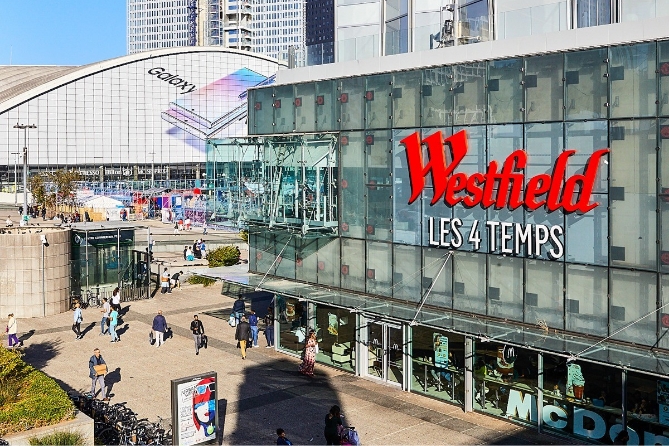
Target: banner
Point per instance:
(194, 404)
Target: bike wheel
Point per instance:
(107, 436)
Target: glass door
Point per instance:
(385, 358)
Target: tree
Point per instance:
(38, 190)
(65, 182)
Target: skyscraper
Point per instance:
(172, 23)
(319, 27)
(277, 26)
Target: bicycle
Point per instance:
(93, 299)
(162, 436)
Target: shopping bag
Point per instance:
(151, 340)
(232, 321)
(204, 341)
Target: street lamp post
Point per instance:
(16, 191)
(25, 128)
(153, 159)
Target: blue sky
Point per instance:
(61, 32)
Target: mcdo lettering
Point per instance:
(172, 79)
(498, 188)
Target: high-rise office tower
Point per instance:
(171, 23)
(278, 28)
(319, 27)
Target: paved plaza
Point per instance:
(257, 395)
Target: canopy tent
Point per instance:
(108, 207)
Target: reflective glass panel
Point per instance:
(505, 93)
(305, 107)
(407, 273)
(586, 307)
(469, 93)
(623, 310)
(379, 268)
(406, 95)
(544, 87)
(437, 97)
(326, 105)
(469, 278)
(284, 109)
(593, 12)
(352, 264)
(351, 103)
(292, 322)
(544, 293)
(260, 103)
(633, 10)
(352, 184)
(664, 194)
(378, 150)
(328, 265)
(378, 101)
(505, 287)
(438, 274)
(336, 336)
(632, 80)
(663, 74)
(586, 84)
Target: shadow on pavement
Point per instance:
(88, 328)
(121, 330)
(25, 336)
(112, 378)
(275, 395)
(39, 354)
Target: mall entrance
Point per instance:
(385, 350)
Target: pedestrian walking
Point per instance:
(116, 299)
(203, 249)
(185, 252)
(187, 223)
(113, 322)
(12, 327)
(159, 328)
(77, 319)
(43, 213)
(332, 425)
(281, 437)
(239, 308)
(242, 335)
(165, 282)
(104, 322)
(204, 228)
(253, 322)
(198, 331)
(310, 351)
(269, 327)
(97, 368)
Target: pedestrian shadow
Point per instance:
(39, 354)
(112, 378)
(88, 328)
(222, 410)
(122, 330)
(25, 336)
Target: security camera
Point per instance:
(43, 239)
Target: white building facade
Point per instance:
(277, 26)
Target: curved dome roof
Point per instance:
(20, 83)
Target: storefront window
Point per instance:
(647, 409)
(438, 360)
(505, 93)
(335, 328)
(292, 322)
(351, 97)
(632, 80)
(505, 378)
(582, 398)
(378, 102)
(586, 84)
(437, 97)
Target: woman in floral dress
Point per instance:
(310, 350)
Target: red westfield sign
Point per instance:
(501, 188)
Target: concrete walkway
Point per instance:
(256, 395)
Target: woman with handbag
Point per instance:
(97, 368)
(11, 331)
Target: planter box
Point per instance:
(81, 423)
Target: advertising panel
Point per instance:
(194, 409)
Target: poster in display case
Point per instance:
(194, 409)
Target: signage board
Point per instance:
(194, 409)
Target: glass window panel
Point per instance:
(351, 101)
(397, 36)
(469, 93)
(438, 364)
(284, 109)
(544, 88)
(285, 263)
(306, 260)
(633, 206)
(544, 293)
(406, 217)
(593, 12)
(633, 10)
(305, 107)
(623, 311)
(292, 323)
(474, 22)
(664, 194)
(646, 406)
(441, 294)
(352, 264)
(379, 268)
(407, 273)
(469, 278)
(533, 17)
(474, 161)
(352, 184)
(632, 80)
(586, 138)
(377, 101)
(587, 234)
(437, 97)
(586, 307)
(406, 99)
(336, 342)
(503, 375)
(586, 84)
(328, 261)
(379, 187)
(664, 300)
(262, 111)
(505, 287)
(326, 106)
(505, 94)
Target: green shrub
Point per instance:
(201, 280)
(59, 438)
(34, 399)
(244, 235)
(223, 256)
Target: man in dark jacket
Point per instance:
(96, 359)
(239, 308)
(198, 331)
(243, 334)
(159, 328)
